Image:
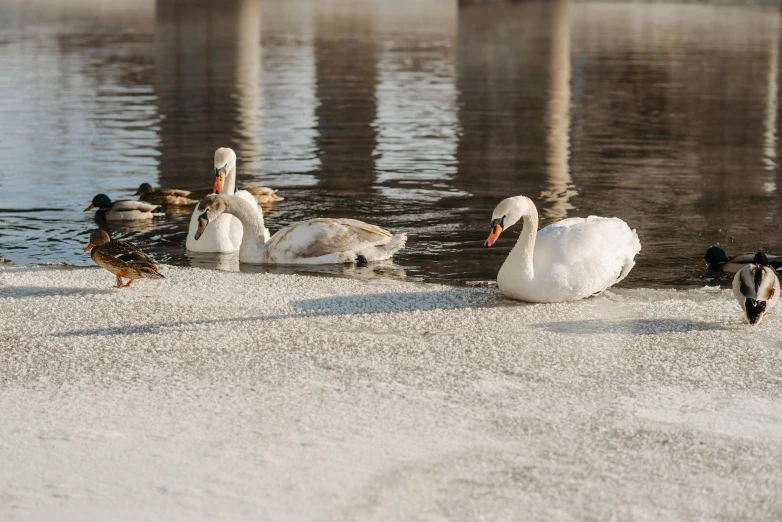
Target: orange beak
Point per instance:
(219, 180)
(495, 233)
(89, 208)
(89, 247)
(701, 264)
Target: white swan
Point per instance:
(567, 260)
(226, 233)
(315, 241)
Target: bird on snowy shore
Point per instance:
(756, 288)
(567, 260)
(121, 258)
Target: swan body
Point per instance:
(225, 234)
(315, 241)
(718, 260)
(565, 261)
(123, 210)
(756, 288)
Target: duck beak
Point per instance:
(203, 221)
(219, 180)
(701, 264)
(89, 208)
(89, 247)
(496, 230)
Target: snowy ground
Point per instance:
(214, 395)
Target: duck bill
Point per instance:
(203, 221)
(701, 264)
(219, 181)
(89, 208)
(496, 230)
(89, 247)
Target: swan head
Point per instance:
(505, 215)
(209, 208)
(225, 162)
(100, 201)
(97, 237)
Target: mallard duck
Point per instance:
(123, 210)
(313, 242)
(264, 195)
(164, 197)
(756, 288)
(567, 260)
(121, 258)
(718, 260)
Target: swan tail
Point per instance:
(386, 251)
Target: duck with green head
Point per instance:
(718, 260)
(123, 210)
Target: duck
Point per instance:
(568, 260)
(123, 210)
(756, 288)
(718, 260)
(264, 195)
(164, 197)
(121, 258)
(225, 234)
(312, 242)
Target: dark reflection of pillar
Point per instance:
(208, 69)
(503, 68)
(346, 70)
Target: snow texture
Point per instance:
(214, 395)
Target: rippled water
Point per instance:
(416, 116)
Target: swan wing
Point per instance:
(585, 255)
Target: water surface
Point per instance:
(418, 118)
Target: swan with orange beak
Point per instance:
(565, 261)
(225, 232)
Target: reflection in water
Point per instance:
(416, 116)
(560, 187)
(417, 124)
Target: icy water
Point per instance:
(416, 116)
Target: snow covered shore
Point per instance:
(216, 395)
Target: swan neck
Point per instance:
(525, 246)
(252, 221)
(230, 182)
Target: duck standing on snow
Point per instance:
(315, 241)
(567, 260)
(121, 258)
(123, 210)
(226, 233)
(718, 260)
(756, 288)
(164, 197)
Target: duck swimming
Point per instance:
(756, 288)
(164, 197)
(121, 258)
(123, 210)
(718, 260)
